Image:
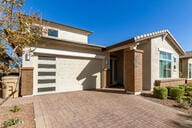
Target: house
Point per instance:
(160, 64)
(186, 66)
(65, 61)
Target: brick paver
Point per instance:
(94, 109)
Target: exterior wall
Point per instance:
(151, 58)
(157, 45)
(133, 71)
(69, 36)
(171, 82)
(184, 67)
(72, 72)
(184, 64)
(146, 47)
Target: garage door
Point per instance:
(61, 74)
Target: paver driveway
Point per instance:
(93, 109)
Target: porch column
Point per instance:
(133, 76)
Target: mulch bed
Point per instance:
(26, 115)
(167, 102)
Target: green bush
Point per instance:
(169, 88)
(185, 102)
(190, 84)
(15, 109)
(189, 93)
(182, 87)
(160, 92)
(188, 89)
(177, 93)
(11, 122)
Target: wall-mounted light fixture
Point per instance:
(27, 56)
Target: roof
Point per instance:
(67, 27)
(74, 43)
(142, 37)
(187, 54)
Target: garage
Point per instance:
(65, 73)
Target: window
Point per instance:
(165, 64)
(175, 60)
(190, 70)
(175, 63)
(52, 32)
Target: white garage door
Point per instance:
(61, 74)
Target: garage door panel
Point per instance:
(79, 74)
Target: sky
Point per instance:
(113, 21)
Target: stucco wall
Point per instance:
(157, 45)
(69, 36)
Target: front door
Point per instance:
(113, 74)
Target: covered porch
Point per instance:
(124, 67)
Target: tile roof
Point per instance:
(148, 36)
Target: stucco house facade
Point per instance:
(65, 61)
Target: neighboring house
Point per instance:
(186, 65)
(65, 61)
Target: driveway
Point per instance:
(95, 109)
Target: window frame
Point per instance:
(166, 60)
(53, 29)
(174, 63)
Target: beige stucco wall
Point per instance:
(68, 35)
(157, 45)
(146, 47)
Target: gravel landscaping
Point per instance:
(167, 102)
(25, 115)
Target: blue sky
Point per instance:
(112, 21)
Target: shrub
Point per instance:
(15, 109)
(169, 88)
(11, 122)
(190, 84)
(182, 87)
(188, 88)
(189, 93)
(185, 103)
(177, 93)
(160, 92)
(180, 75)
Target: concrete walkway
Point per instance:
(95, 109)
